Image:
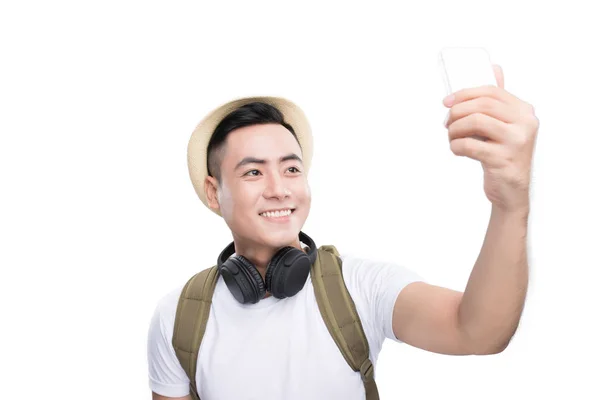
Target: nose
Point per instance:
(276, 188)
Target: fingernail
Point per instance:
(449, 100)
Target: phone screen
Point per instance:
(466, 67)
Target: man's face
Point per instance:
(260, 173)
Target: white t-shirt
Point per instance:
(277, 348)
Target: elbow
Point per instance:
(490, 350)
(487, 348)
(490, 341)
(485, 343)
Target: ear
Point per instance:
(211, 187)
(499, 75)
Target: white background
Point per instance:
(99, 218)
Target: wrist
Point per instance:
(520, 213)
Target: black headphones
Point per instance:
(286, 273)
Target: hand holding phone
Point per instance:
(466, 67)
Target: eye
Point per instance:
(294, 168)
(249, 173)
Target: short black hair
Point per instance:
(246, 115)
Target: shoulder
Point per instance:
(164, 314)
(165, 373)
(362, 271)
(374, 286)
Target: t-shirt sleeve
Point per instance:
(166, 376)
(375, 286)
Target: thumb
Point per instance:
(499, 75)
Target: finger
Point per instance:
(484, 105)
(499, 75)
(480, 91)
(480, 125)
(485, 152)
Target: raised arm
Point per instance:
(484, 318)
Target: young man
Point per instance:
(248, 162)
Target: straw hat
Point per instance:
(198, 144)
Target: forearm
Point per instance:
(493, 300)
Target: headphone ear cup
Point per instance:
(287, 272)
(243, 280)
(271, 268)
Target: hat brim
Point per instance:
(198, 143)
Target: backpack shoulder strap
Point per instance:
(192, 314)
(340, 315)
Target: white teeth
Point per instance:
(276, 214)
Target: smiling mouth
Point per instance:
(278, 214)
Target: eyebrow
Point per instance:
(254, 160)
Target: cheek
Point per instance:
(304, 193)
(235, 200)
(245, 198)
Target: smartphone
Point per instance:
(466, 67)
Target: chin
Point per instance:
(280, 238)
(277, 236)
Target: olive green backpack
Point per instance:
(336, 306)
